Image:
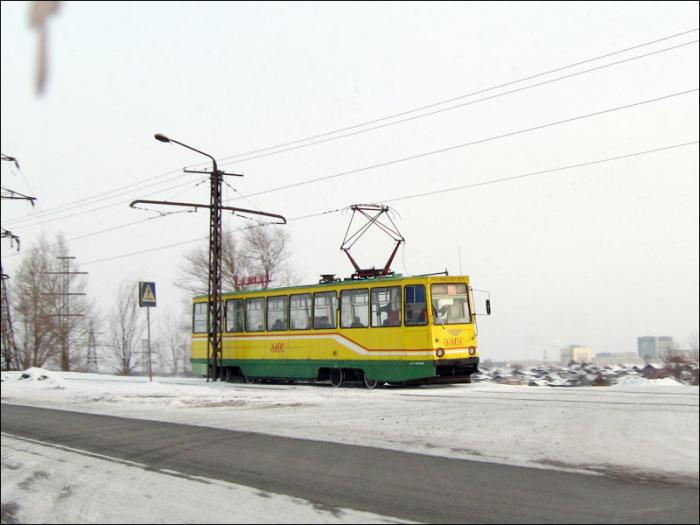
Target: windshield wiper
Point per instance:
(435, 314)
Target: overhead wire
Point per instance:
(535, 173)
(423, 194)
(470, 143)
(464, 104)
(86, 202)
(453, 99)
(106, 230)
(77, 214)
(82, 202)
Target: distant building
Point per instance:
(576, 353)
(652, 347)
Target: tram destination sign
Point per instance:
(147, 293)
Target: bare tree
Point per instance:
(693, 345)
(174, 345)
(126, 329)
(262, 251)
(267, 251)
(49, 319)
(35, 325)
(194, 272)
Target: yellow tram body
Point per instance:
(396, 329)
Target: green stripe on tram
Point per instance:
(308, 369)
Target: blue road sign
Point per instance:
(147, 293)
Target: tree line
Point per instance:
(57, 325)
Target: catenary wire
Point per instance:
(449, 108)
(403, 113)
(453, 99)
(433, 152)
(466, 144)
(405, 197)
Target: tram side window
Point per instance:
(300, 311)
(277, 313)
(386, 306)
(255, 314)
(199, 318)
(325, 305)
(416, 307)
(235, 315)
(354, 308)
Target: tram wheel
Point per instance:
(250, 380)
(337, 377)
(370, 383)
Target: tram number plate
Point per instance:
(277, 348)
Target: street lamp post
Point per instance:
(214, 345)
(214, 307)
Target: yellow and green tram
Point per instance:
(393, 329)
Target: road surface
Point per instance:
(405, 485)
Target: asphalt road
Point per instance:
(400, 484)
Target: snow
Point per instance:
(58, 485)
(636, 429)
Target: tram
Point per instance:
(395, 329)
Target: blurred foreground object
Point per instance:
(38, 14)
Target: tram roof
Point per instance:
(342, 282)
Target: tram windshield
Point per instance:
(450, 304)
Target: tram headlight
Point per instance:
(439, 352)
(472, 350)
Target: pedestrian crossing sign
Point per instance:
(147, 293)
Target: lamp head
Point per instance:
(162, 138)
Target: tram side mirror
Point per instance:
(488, 306)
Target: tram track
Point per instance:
(579, 400)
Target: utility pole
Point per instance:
(64, 315)
(214, 308)
(92, 362)
(10, 353)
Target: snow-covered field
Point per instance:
(639, 429)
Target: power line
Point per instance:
(540, 172)
(467, 144)
(64, 324)
(453, 99)
(464, 104)
(433, 152)
(106, 230)
(65, 208)
(82, 202)
(77, 214)
(417, 195)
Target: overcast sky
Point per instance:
(596, 255)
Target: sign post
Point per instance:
(147, 299)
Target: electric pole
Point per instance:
(64, 308)
(214, 307)
(10, 353)
(92, 362)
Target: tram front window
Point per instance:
(450, 304)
